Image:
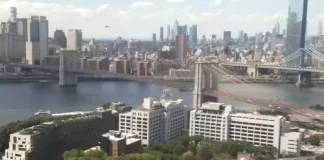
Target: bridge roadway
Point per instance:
(188, 86)
(271, 104)
(272, 66)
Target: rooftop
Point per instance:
(215, 108)
(116, 136)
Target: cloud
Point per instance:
(216, 2)
(122, 13)
(103, 7)
(204, 16)
(176, 1)
(142, 4)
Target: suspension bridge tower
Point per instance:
(68, 60)
(205, 80)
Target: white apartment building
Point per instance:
(21, 143)
(211, 120)
(74, 40)
(258, 129)
(289, 143)
(219, 122)
(37, 40)
(155, 121)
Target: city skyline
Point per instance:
(139, 19)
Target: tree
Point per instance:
(313, 140)
(188, 156)
(179, 149)
(222, 156)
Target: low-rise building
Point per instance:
(115, 143)
(49, 140)
(219, 121)
(290, 143)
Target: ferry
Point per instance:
(43, 113)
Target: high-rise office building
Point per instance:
(22, 27)
(37, 40)
(277, 27)
(193, 34)
(227, 35)
(161, 34)
(182, 46)
(168, 32)
(154, 37)
(60, 38)
(175, 28)
(185, 29)
(74, 40)
(320, 29)
(296, 25)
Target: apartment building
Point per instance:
(211, 120)
(155, 121)
(289, 143)
(219, 121)
(49, 140)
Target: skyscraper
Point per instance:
(175, 28)
(161, 34)
(154, 37)
(296, 25)
(277, 27)
(168, 32)
(193, 34)
(227, 35)
(37, 40)
(320, 29)
(74, 39)
(181, 46)
(59, 38)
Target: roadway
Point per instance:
(271, 104)
(276, 66)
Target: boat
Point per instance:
(43, 113)
(45, 81)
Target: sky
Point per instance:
(141, 18)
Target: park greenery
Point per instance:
(317, 107)
(13, 127)
(184, 148)
(313, 140)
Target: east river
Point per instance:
(19, 101)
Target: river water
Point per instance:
(19, 101)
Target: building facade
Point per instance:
(37, 40)
(296, 25)
(74, 40)
(182, 46)
(12, 47)
(219, 122)
(155, 121)
(49, 140)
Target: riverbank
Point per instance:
(44, 79)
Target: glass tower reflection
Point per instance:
(296, 25)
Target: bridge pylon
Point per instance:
(66, 77)
(205, 80)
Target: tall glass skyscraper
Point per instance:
(193, 34)
(296, 25)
